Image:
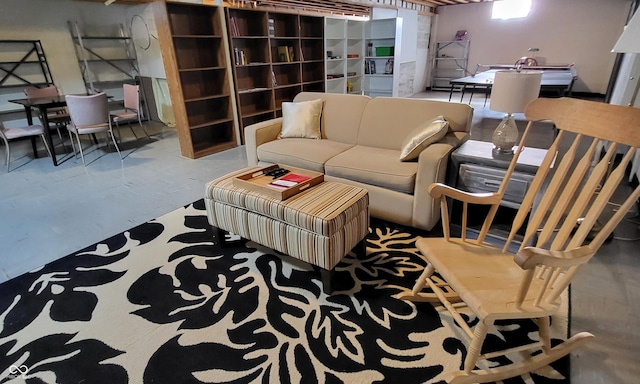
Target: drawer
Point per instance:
(478, 178)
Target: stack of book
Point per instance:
(233, 25)
(240, 57)
(289, 180)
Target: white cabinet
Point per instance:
(382, 47)
(449, 63)
(344, 55)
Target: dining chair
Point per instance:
(561, 207)
(131, 109)
(8, 134)
(59, 116)
(89, 115)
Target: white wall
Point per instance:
(145, 39)
(422, 53)
(46, 20)
(566, 31)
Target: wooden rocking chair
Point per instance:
(569, 188)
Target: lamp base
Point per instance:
(499, 154)
(505, 137)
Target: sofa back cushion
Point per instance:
(340, 116)
(387, 121)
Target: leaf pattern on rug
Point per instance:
(165, 303)
(58, 359)
(62, 289)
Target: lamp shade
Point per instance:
(629, 40)
(512, 90)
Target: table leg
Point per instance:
(33, 147)
(451, 93)
(487, 90)
(327, 277)
(27, 111)
(222, 239)
(462, 89)
(47, 134)
(473, 90)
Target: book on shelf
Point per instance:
(291, 55)
(239, 56)
(283, 54)
(271, 28)
(274, 81)
(234, 26)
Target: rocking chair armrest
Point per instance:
(530, 257)
(437, 190)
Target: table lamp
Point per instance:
(629, 42)
(510, 93)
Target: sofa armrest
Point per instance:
(260, 133)
(432, 168)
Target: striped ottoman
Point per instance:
(319, 225)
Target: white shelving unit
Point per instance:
(335, 47)
(347, 62)
(449, 62)
(355, 56)
(382, 68)
(344, 55)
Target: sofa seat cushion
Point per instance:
(374, 166)
(302, 153)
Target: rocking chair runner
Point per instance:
(495, 285)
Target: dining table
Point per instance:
(43, 104)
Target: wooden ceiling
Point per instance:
(351, 7)
(342, 7)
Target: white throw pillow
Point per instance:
(423, 136)
(301, 119)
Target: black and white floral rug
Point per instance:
(164, 303)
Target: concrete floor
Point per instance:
(48, 212)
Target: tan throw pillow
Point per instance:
(422, 136)
(301, 119)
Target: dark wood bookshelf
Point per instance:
(267, 77)
(195, 52)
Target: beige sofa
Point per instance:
(360, 145)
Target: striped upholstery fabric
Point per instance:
(319, 225)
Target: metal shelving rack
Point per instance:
(22, 64)
(31, 53)
(106, 61)
(449, 62)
